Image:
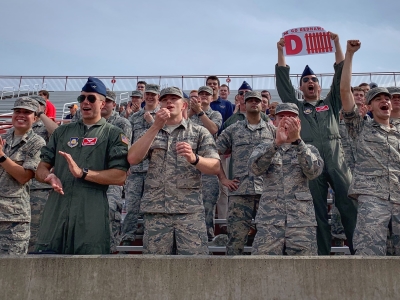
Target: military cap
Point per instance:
(110, 95)
(290, 107)
(26, 103)
(152, 88)
(205, 89)
(137, 94)
(245, 86)
(394, 90)
(252, 94)
(372, 93)
(373, 85)
(95, 85)
(38, 99)
(307, 71)
(73, 105)
(171, 91)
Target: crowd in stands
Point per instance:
(176, 159)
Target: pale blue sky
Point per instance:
(176, 37)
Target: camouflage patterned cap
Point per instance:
(152, 88)
(110, 95)
(205, 89)
(252, 94)
(137, 94)
(171, 91)
(394, 90)
(290, 107)
(372, 93)
(38, 99)
(26, 103)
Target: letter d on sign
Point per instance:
(289, 41)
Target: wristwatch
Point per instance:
(39, 114)
(296, 142)
(85, 172)
(197, 159)
(3, 158)
(200, 114)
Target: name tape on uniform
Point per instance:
(89, 141)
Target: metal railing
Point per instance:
(186, 82)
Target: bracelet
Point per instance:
(196, 161)
(39, 114)
(200, 114)
(296, 142)
(3, 158)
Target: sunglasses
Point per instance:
(306, 79)
(90, 98)
(241, 93)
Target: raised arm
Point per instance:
(339, 57)
(345, 83)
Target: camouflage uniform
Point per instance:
(114, 192)
(171, 202)
(241, 138)
(39, 192)
(210, 189)
(375, 182)
(15, 211)
(135, 181)
(286, 217)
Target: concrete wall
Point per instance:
(154, 277)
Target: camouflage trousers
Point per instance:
(14, 238)
(242, 209)
(114, 195)
(210, 193)
(187, 232)
(38, 200)
(279, 240)
(133, 194)
(371, 233)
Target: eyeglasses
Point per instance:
(306, 79)
(90, 98)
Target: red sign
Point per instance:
(89, 141)
(307, 40)
(113, 80)
(228, 80)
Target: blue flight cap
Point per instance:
(373, 85)
(245, 86)
(307, 71)
(184, 95)
(95, 85)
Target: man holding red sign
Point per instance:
(319, 127)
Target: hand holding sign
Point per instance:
(307, 41)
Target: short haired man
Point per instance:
(86, 157)
(286, 217)
(395, 113)
(365, 87)
(225, 107)
(50, 108)
(202, 114)
(72, 111)
(141, 86)
(264, 104)
(239, 140)
(19, 158)
(272, 108)
(319, 127)
(266, 93)
(135, 104)
(224, 92)
(178, 151)
(140, 122)
(114, 192)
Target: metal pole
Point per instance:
(66, 80)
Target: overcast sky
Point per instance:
(178, 37)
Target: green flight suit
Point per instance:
(77, 222)
(320, 128)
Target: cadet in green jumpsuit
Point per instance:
(87, 156)
(319, 127)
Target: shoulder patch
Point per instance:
(124, 139)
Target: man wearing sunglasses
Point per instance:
(85, 158)
(320, 128)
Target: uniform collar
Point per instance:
(10, 134)
(260, 125)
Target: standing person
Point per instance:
(50, 108)
(141, 86)
(135, 104)
(75, 218)
(266, 93)
(264, 104)
(319, 127)
(114, 192)
(271, 110)
(19, 158)
(178, 151)
(202, 114)
(395, 113)
(224, 92)
(140, 122)
(375, 182)
(225, 107)
(72, 111)
(285, 217)
(245, 190)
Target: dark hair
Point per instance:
(225, 86)
(363, 84)
(44, 92)
(141, 82)
(212, 78)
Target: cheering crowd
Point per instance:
(175, 158)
